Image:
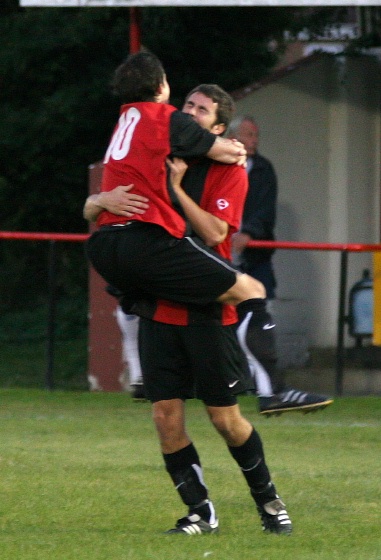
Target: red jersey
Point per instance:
(146, 134)
(223, 195)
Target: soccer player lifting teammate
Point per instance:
(244, 443)
(151, 256)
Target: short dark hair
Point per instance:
(138, 78)
(226, 107)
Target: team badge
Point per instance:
(222, 204)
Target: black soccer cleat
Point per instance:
(138, 393)
(192, 524)
(292, 400)
(274, 518)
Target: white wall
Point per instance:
(320, 126)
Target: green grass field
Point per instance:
(82, 479)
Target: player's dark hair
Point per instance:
(138, 78)
(225, 103)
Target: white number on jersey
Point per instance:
(121, 140)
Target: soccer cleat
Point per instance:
(274, 518)
(292, 400)
(192, 524)
(138, 393)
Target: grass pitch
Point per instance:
(82, 479)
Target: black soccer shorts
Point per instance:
(143, 261)
(201, 361)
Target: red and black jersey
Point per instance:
(146, 134)
(221, 190)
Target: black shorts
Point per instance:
(143, 261)
(201, 361)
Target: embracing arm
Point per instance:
(119, 201)
(189, 140)
(209, 228)
(227, 150)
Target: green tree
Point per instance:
(229, 46)
(57, 113)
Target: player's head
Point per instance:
(246, 130)
(141, 77)
(210, 106)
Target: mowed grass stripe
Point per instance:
(82, 478)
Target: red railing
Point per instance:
(343, 248)
(349, 247)
(38, 236)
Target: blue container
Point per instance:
(360, 317)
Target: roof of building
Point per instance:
(277, 74)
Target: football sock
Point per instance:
(250, 457)
(129, 326)
(256, 333)
(185, 471)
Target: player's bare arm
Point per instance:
(226, 150)
(209, 228)
(119, 201)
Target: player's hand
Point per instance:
(239, 242)
(177, 168)
(242, 151)
(122, 202)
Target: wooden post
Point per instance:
(377, 298)
(106, 371)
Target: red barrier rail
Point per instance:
(344, 249)
(38, 236)
(351, 247)
(51, 321)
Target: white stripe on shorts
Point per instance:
(213, 257)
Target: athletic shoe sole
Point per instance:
(305, 409)
(191, 529)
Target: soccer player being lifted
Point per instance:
(176, 338)
(150, 255)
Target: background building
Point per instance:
(320, 126)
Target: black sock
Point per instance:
(250, 457)
(260, 337)
(185, 470)
(258, 305)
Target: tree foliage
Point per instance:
(56, 111)
(229, 46)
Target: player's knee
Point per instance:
(218, 418)
(252, 287)
(225, 424)
(225, 430)
(164, 416)
(246, 287)
(236, 432)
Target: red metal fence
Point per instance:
(343, 248)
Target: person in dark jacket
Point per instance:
(258, 223)
(259, 215)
